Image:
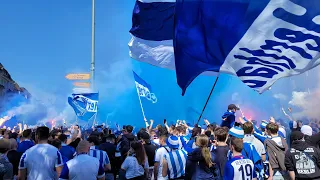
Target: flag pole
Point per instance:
(141, 107)
(214, 85)
(92, 46)
(77, 120)
(144, 117)
(94, 119)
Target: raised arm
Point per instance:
(151, 124)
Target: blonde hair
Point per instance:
(202, 142)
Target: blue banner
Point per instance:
(84, 105)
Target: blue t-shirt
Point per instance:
(67, 151)
(24, 145)
(239, 168)
(230, 119)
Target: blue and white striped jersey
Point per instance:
(176, 160)
(99, 154)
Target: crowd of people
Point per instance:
(232, 150)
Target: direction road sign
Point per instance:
(81, 90)
(81, 84)
(83, 76)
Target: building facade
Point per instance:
(10, 91)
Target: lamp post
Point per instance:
(92, 46)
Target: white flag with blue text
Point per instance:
(144, 89)
(85, 105)
(260, 41)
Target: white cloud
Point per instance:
(299, 99)
(306, 102)
(280, 96)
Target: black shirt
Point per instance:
(221, 153)
(110, 149)
(150, 151)
(313, 140)
(304, 160)
(14, 158)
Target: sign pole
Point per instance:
(92, 46)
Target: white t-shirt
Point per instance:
(156, 141)
(41, 161)
(159, 159)
(256, 143)
(278, 140)
(132, 167)
(83, 167)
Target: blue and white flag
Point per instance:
(260, 41)
(144, 89)
(84, 105)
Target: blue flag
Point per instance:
(260, 41)
(84, 105)
(144, 89)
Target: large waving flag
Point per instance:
(152, 32)
(84, 105)
(144, 89)
(260, 41)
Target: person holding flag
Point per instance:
(144, 90)
(229, 117)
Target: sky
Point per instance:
(42, 41)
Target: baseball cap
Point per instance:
(233, 106)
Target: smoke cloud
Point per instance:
(306, 104)
(41, 109)
(236, 98)
(44, 107)
(307, 101)
(115, 80)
